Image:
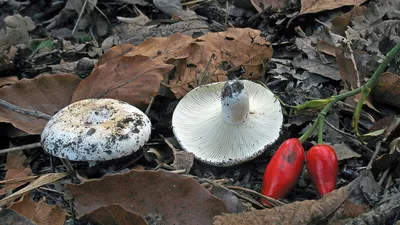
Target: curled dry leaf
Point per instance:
(207, 58)
(145, 192)
(305, 212)
(131, 79)
(16, 168)
(314, 6)
(40, 212)
(387, 90)
(113, 214)
(45, 93)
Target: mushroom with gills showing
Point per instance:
(227, 123)
(96, 130)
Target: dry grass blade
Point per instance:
(17, 180)
(42, 180)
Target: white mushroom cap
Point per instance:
(229, 129)
(96, 130)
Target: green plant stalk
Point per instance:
(334, 99)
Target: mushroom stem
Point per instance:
(234, 102)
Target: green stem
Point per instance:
(334, 99)
(371, 83)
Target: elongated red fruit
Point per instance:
(322, 166)
(283, 171)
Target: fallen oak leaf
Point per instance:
(45, 93)
(130, 79)
(113, 214)
(40, 212)
(304, 212)
(16, 168)
(210, 56)
(387, 90)
(145, 192)
(314, 6)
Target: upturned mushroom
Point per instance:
(96, 130)
(227, 123)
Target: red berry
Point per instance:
(283, 171)
(322, 166)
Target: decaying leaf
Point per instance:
(131, 79)
(42, 180)
(317, 67)
(207, 58)
(45, 93)
(7, 80)
(387, 90)
(40, 212)
(314, 6)
(233, 204)
(352, 210)
(343, 151)
(340, 23)
(16, 168)
(304, 212)
(9, 216)
(182, 159)
(16, 31)
(384, 161)
(260, 5)
(113, 214)
(145, 192)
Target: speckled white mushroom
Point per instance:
(96, 130)
(227, 123)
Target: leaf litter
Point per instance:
(158, 53)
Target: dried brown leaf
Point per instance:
(113, 214)
(9, 216)
(8, 80)
(131, 79)
(40, 212)
(340, 23)
(182, 159)
(304, 212)
(387, 90)
(314, 6)
(352, 210)
(45, 93)
(348, 70)
(16, 168)
(145, 192)
(326, 48)
(210, 56)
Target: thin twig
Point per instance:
(20, 148)
(271, 200)
(377, 148)
(149, 106)
(350, 137)
(80, 16)
(28, 112)
(383, 176)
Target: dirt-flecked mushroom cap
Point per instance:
(227, 123)
(96, 130)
